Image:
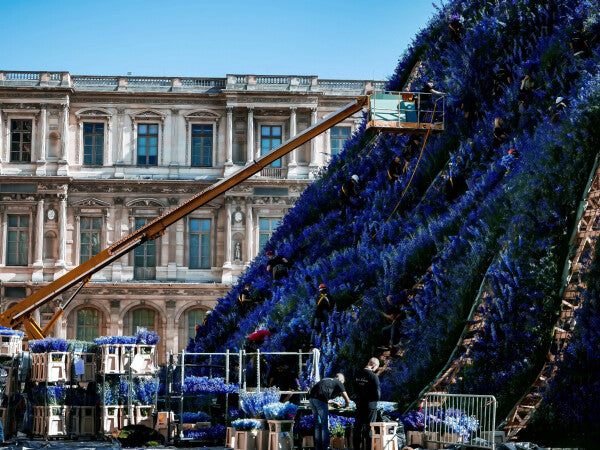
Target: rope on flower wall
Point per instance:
(418, 161)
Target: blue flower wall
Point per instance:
(511, 221)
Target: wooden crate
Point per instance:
(11, 344)
(89, 366)
(82, 420)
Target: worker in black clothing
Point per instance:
(500, 133)
(560, 104)
(277, 265)
(367, 396)
(579, 45)
(413, 147)
(396, 314)
(502, 79)
(456, 28)
(525, 95)
(427, 103)
(470, 109)
(321, 317)
(319, 398)
(350, 188)
(398, 167)
(454, 184)
(245, 300)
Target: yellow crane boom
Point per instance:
(20, 314)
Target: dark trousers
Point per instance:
(365, 414)
(320, 410)
(391, 334)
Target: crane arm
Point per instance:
(20, 314)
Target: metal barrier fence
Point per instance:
(469, 420)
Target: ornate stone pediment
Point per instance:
(202, 114)
(148, 114)
(93, 113)
(91, 202)
(152, 202)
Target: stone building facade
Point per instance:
(84, 160)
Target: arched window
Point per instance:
(88, 324)
(195, 317)
(143, 318)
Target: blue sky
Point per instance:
(332, 39)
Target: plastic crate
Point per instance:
(244, 440)
(383, 435)
(51, 366)
(50, 421)
(143, 415)
(144, 360)
(110, 359)
(110, 418)
(11, 344)
(281, 434)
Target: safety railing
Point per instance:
(468, 420)
(414, 110)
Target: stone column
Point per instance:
(108, 157)
(65, 133)
(229, 143)
(228, 258)
(250, 136)
(293, 156)
(1, 140)
(62, 231)
(39, 235)
(179, 245)
(249, 233)
(44, 134)
(313, 144)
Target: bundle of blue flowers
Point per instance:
(207, 385)
(246, 424)
(280, 411)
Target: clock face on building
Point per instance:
(237, 216)
(50, 214)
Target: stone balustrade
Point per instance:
(130, 83)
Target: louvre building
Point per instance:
(85, 160)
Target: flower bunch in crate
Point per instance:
(207, 385)
(48, 345)
(246, 424)
(195, 417)
(212, 434)
(49, 395)
(280, 411)
(253, 403)
(338, 425)
(144, 391)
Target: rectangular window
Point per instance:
(142, 318)
(147, 145)
(339, 135)
(88, 324)
(200, 244)
(89, 237)
(195, 317)
(144, 256)
(270, 138)
(93, 144)
(202, 138)
(17, 240)
(266, 228)
(20, 140)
